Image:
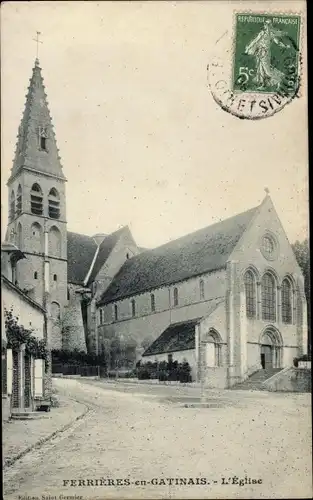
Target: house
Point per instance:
(25, 380)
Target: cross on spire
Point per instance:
(38, 42)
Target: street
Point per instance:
(141, 442)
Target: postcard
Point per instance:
(155, 250)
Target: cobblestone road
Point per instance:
(148, 436)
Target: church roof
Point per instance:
(105, 248)
(176, 337)
(83, 256)
(203, 251)
(36, 122)
(80, 253)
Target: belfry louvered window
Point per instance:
(36, 200)
(19, 201)
(54, 204)
(12, 206)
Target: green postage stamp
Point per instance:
(255, 67)
(266, 53)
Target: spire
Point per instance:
(36, 147)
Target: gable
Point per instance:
(248, 251)
(203, 251)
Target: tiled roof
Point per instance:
(203, 251)
(81, 250)
(80, 253)
(105, 249)
(176, 337)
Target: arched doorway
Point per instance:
(271, 348)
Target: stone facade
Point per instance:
(238, 338)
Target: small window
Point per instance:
(68, 294)
(115, 312)
(152, 299)
(175, 296)
(127, 256)
(43, 138)
(133, 306)
(170, 358)
(101, 316)
(201, 289)
(43, 143)
(55, 278)
(35, 275)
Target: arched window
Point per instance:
(19, 236)
(54, 242)
(55, 277)
(54, 204)
(249, 281)
(268, 297)
(201, 290)
(19, 201)
(36, 204)
(175, 296)
(68, 294)
(36, 234)
(101, 316)
(115, 312)
(12, 206)
(286, 301)
(133, 307)
(152, 301)
(35, 275)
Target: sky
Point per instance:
(142, 142)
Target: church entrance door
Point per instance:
(266, 356)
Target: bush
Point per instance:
(172, 371)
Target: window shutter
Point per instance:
(39, 374)
(9, 371)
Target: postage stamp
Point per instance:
(255, 71)
(266, 53)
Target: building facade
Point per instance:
(25, 379)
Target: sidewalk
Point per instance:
(21, 436)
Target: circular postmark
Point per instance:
(254, 72)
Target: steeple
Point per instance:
(36, 148)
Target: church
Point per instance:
(228, 298)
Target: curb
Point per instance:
(10, 461)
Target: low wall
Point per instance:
(290, 380)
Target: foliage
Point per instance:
(164, 371)
(77, 357)
(18, 335)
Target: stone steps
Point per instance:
(255, 381)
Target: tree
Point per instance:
(302, 254)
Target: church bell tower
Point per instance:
(37, 209)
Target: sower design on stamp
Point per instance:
(266, 53)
